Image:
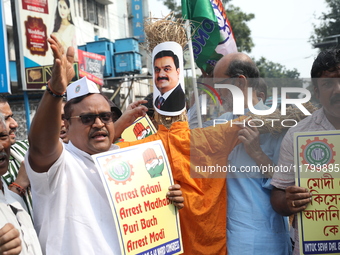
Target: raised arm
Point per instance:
(43, 137)
(250, 137)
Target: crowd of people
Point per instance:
(51, 179)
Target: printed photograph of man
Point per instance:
(169, 96)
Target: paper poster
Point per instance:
(5, 86)
(36, 21)
(317, 164)
(140, 129)
(168, 91)
(136, 180)
(91, 65)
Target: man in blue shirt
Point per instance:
(253, 227)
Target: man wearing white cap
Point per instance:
(72, 215)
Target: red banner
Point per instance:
(91, 65)
(40, 6)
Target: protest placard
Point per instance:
(136, 180)
(140, 129)
(317, 166)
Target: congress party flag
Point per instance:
(212, 34)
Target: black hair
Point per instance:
(327, 60)
(114, 109)
(149, 98)
(3, 99)
(167, 53)
(149, 105)
(57, 20)
(247, 68)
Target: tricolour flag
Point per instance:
(212, 34)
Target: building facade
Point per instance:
(93, 19)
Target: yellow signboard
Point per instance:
(140, 129)
(317, 164)
(136, 180)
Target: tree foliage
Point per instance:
(174, 7)
(242, 32)
(277, 75)
(330, 24)
(269, 69)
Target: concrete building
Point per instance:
(110, 19)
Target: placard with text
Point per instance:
(136, 180)
(317, 167)
(91, 65)
(5, 86)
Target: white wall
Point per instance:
(118, 19)
(116, 24)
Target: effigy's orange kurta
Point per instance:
(203, 218)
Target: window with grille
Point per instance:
(101, 15)
(94, 12)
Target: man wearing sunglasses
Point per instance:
(121, 121)
(73, 214)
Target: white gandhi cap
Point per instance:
(80, 88)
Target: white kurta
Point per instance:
(20, 220)
(71, 211)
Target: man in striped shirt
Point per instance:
(16, 177)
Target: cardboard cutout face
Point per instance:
(169, 95)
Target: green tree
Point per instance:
(242, 32)
(329, 26)
(174, 7)
(237, 19)
(277, 75)
(269, 69)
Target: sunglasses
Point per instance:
(89, 119)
